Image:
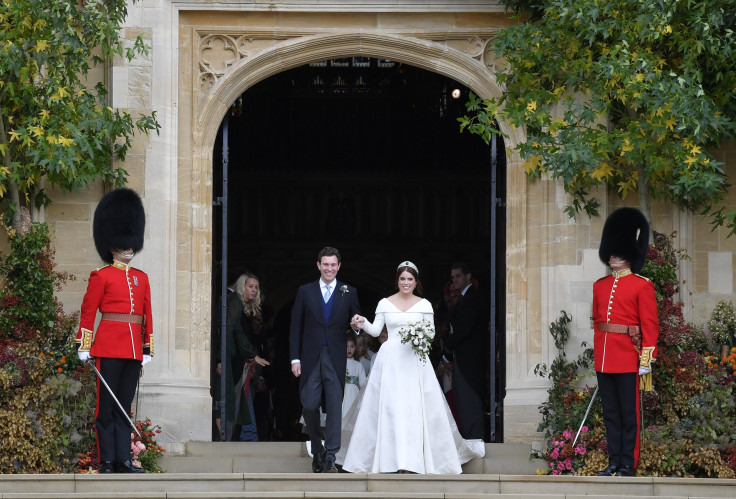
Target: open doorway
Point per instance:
(365, 155)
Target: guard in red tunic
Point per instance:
(626, 330)
(123, 341)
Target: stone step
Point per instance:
(344, 485)
(292, 457)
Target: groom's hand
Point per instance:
(296, 369)
(357, 322)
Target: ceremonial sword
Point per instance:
(97, 372)
(585, 417)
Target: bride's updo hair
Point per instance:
(412, 269)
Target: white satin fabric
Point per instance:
(401, 420)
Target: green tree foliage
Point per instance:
(54, 128)
(632, 94)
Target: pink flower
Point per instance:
(555, 472)
(585, 429)
(568, 464)
(551, 464)
(560, 465)
(555, 453)
(580, 450)
(567, 434)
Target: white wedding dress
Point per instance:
(401, 420)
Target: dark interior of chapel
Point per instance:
(364, 155)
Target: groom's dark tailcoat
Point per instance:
(469, 322)
(309, 329)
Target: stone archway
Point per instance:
(227, 62)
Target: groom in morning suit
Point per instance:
(321, 312)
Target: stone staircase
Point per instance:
(282, 470)
(292, 457)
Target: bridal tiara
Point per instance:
(407, 263)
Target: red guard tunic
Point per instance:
(118, 289)
(623, 299)
(629, 300)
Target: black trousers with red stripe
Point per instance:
(621, 415)
(113, 429)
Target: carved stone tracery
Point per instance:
(220, 52)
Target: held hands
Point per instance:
(357, 322)
(83, 355)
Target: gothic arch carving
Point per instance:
(229, 63)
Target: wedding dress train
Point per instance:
(400, 419)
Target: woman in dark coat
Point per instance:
(243, 305)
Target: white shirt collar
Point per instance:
(332, 285)
(466, 288)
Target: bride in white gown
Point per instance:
(400, 420)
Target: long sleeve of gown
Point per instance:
(429, 318)
(374, 329)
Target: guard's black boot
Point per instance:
(610, 471)
(626, 471)
(106, 467)
(127, 467)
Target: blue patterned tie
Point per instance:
(327, 292)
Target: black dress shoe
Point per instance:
(330, 465)
(127, 467)
(106, 467)
(626, 471)
(318, 462)
(610, 471)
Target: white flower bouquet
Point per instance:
(419, 335)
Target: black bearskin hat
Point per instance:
(626, 235)
(119, 223)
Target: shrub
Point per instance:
(722, 324)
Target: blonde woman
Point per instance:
(242, 307)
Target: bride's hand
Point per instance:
(357, 322)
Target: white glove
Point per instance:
(146, 359)
(643, 371)
(83, 355)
